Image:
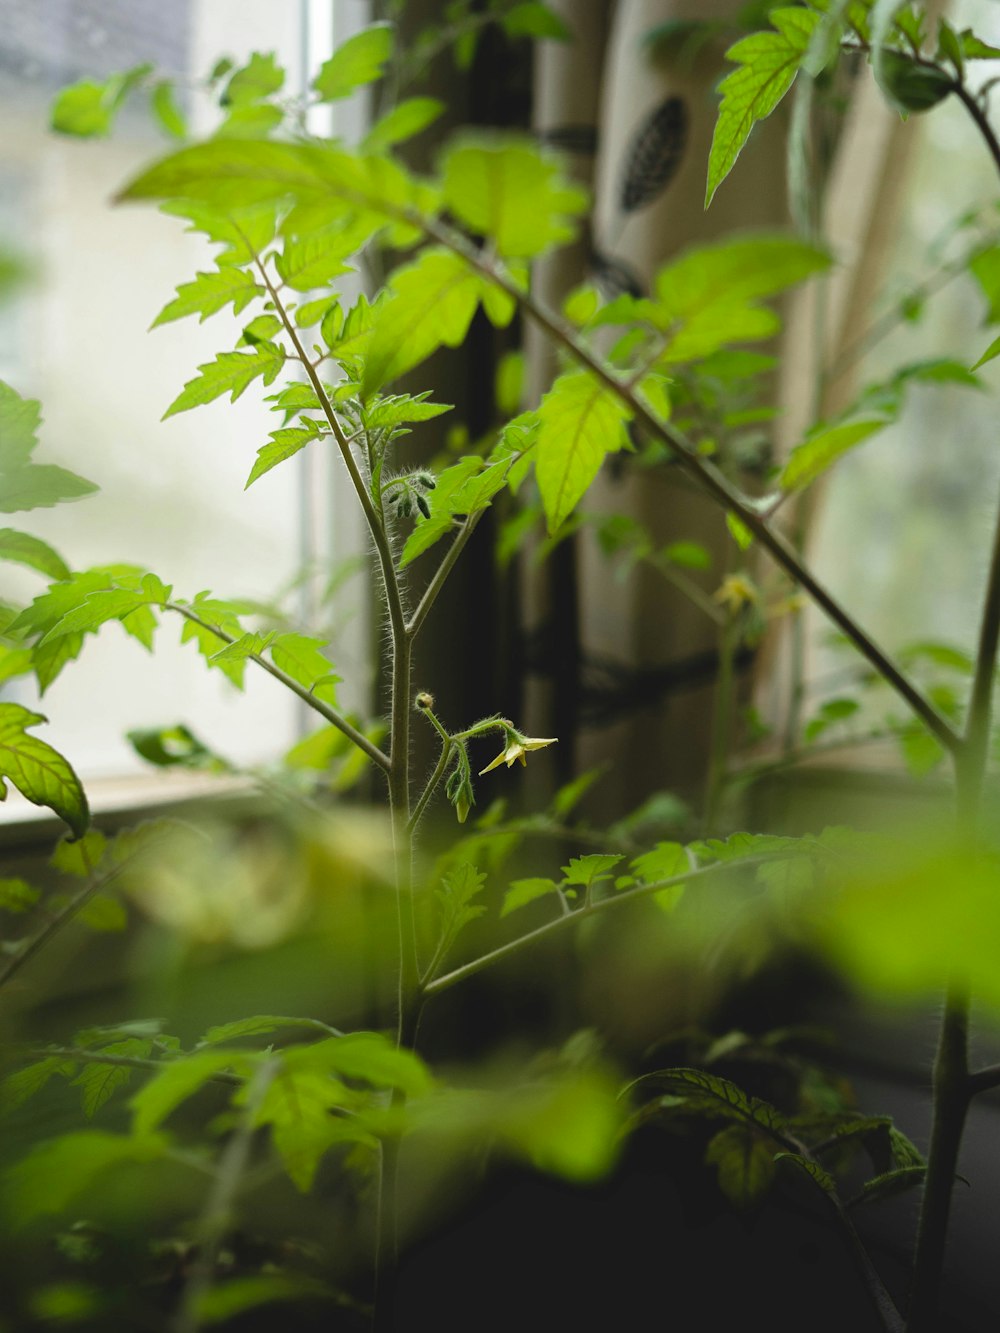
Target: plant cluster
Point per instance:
(350, 1112)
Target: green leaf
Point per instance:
(360, 60)
(19, 422)
(580, 422)
(314, 260)
(83, 109)
(589, 870)
(508, 190)
(116, 603)
(230, 372)
(166, 110)
(768, 63)
(209, 293)
(745, 1164)
(243, 231)
(974, 48)
(432, 302)
(812, 1169)
(739, 531)
(524, 891)
(39, 772)
(371, 1057)
(255, 120)
(49, 1177)
(298, 1105)
(909, 86)
(40, 486)
(247, 645)
(19, 1087)
(79, 857)
(534, 20)
(259, 78)
(302, 658)
(258, 1026)
(226, 1300)
(821, 448)
(985, 268)
(17, 895)
(103, 913)
(99, 1082)
(225, 616)
(889, 1183)
(465, 488)
(403, 122)
(285, 444)
(706, 1094)
(666, 860)
(991, 353)
(180, 1079)
(569, 1127)
(24, 549)
(314, 312)
(458, 887)
(385, 413)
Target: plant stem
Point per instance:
(325, 710)
(709, 479)
(216, 1218)
(431, 785)
(953, 1085)
(441, 573)
(514, 946)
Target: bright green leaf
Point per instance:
(180, 1079)
(285, 444)
(39, 772)
(580, 422)
(24, 549)
(358, 61)
(402, 122)
(768, 63)
(259, 78)
(230, 372)
(49, 1177)
(509, 191)
(209, 293)
(524, 891)
(821, 448)
(166, 110)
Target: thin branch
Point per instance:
(441, 573)
(324, 709)
(514, 946)
(216, 1218)
(984, 1080)
(710, 480)
(431, 786)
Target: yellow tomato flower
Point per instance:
(516, 748)
(737, 591)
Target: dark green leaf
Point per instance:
(534, 20)
(49, 1177)
(99, 1082)
(744, 1160)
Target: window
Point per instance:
(172, 497)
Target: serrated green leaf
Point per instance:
(166, 110)
(508, 190)
(590, 869)
(285, 444)
(384, 413)
(312, 313)
(768, 63)
(258, 78)
(244, 232)
(230, 372)
(694, 1090)
(302, 658)
(524, 891)
(458, 887)
(890, 1183)
(123, 604)
(209, 293)
(24, 549)
(39, 772)
(314, 260)
(247, 645)
(580, 422)
(358, 61)
(298, 1105)
(180, 1079)
(812, 1169)
(99, 1082)
(821, 448)
(431, 304)
(402, 122)
(465, 488)
(19, 1087)
(40, 486)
